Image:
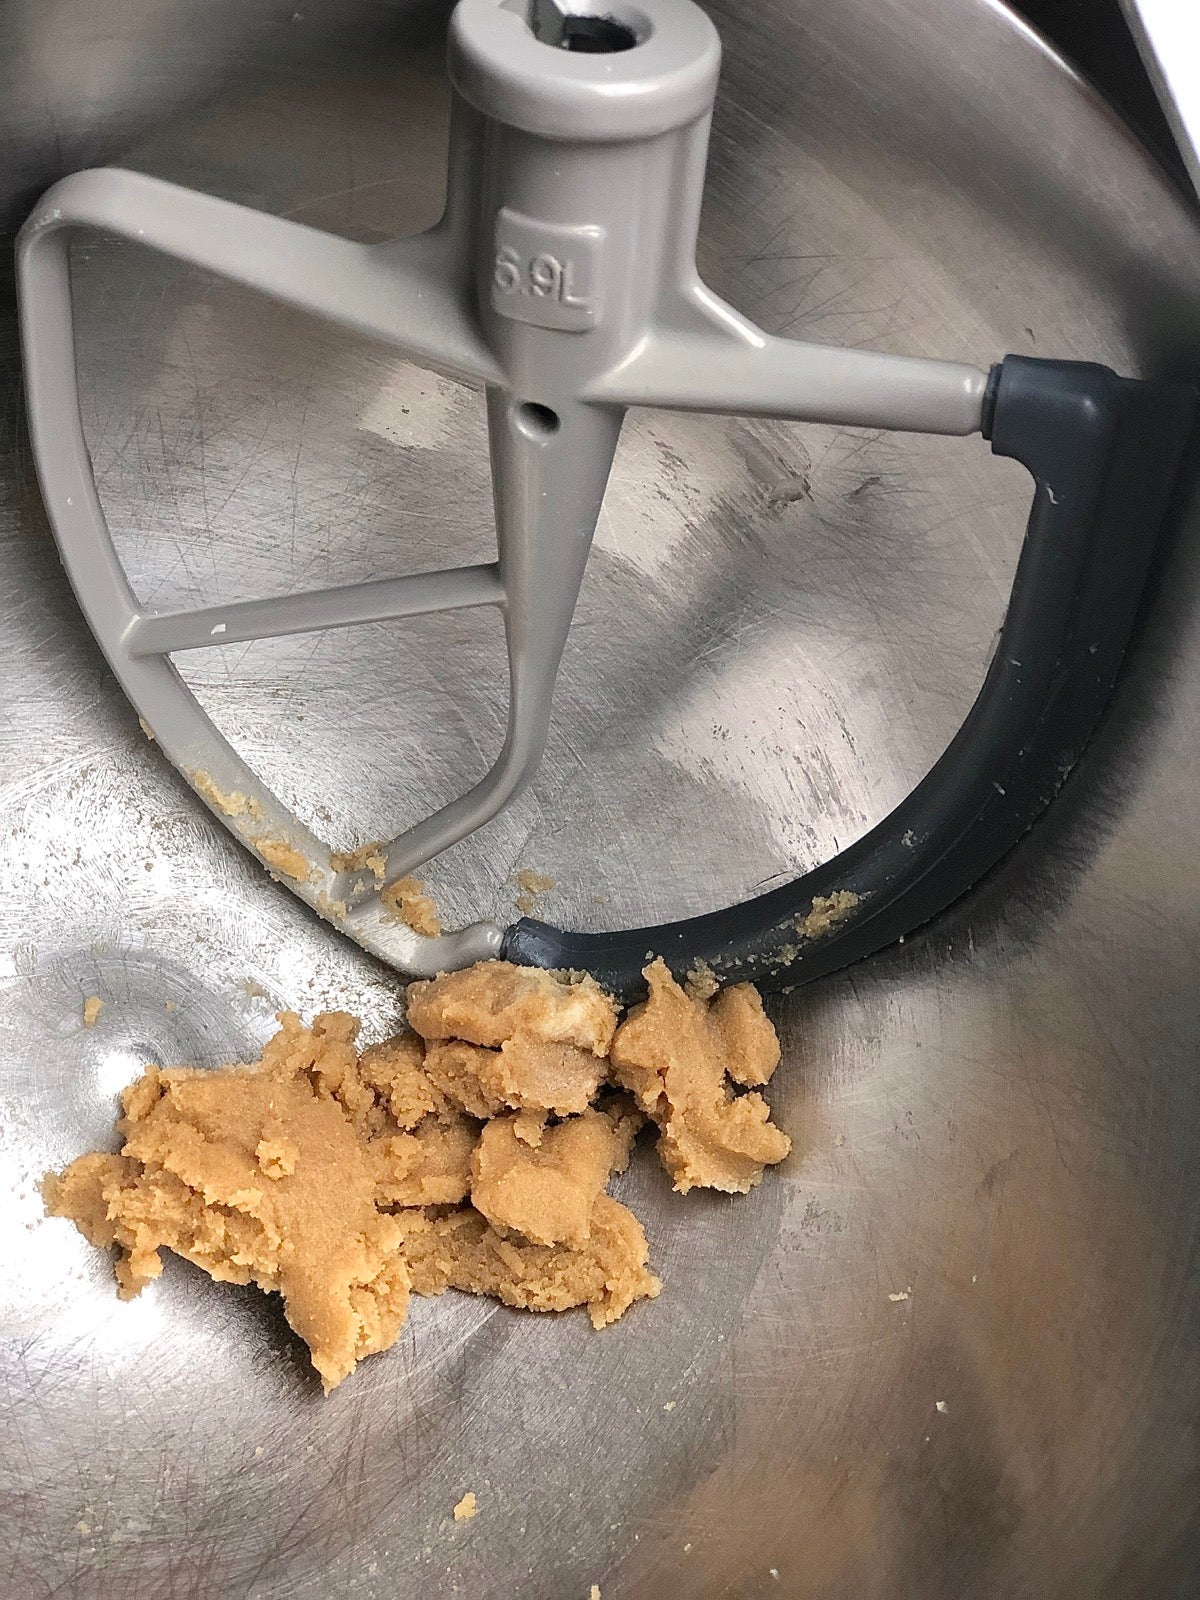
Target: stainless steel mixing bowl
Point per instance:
(950, 1349)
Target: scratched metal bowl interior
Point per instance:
(949, 1347)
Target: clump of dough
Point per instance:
(234, 804)
(548, 1192)
(524, 1075)
(396, 1071)
(461, 1251)
(257, 1176)
(531, 886)
(367, 858)
(677, 1055)
(429, 1167)
(495, 1001)
(827, 911)
(473, 1154)
(452, 1069)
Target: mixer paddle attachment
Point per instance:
(562, 278)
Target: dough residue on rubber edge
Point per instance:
(827, 911)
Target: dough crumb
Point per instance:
(367, 858)
(146, 729)
(679, 1057)
(335, 910)
(170, 1007)
(531, 884)
(900, 1294)
(92, 1007)
(940, 1405)
(827, 911)
(594, 1592)
(466, 1508)
(406, 899)
(702, 982)
(235, 804)
(284, 858)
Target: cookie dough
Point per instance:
(461, 1251)
(472, 1154)
(284, 858)
(495, 1002)
(523, 1073)
(678, 1055)
(531, 886)
(367, 858)
(256, 1175)
(548, 1193)
(406, 899)
(235, 804)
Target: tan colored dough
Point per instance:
(523, 1075)
(284, 858)
(676, 1054)
(326, 1054)
(205, 1172)
(407, 900)
(367, 857)
(534, 1076)
(548, 1193)
(607, 1275)
(429, 1167)
(236, 804)
(325, 1173)
(453, 1069)
(496, 1001)
(748, 1041)
(395, 1071)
